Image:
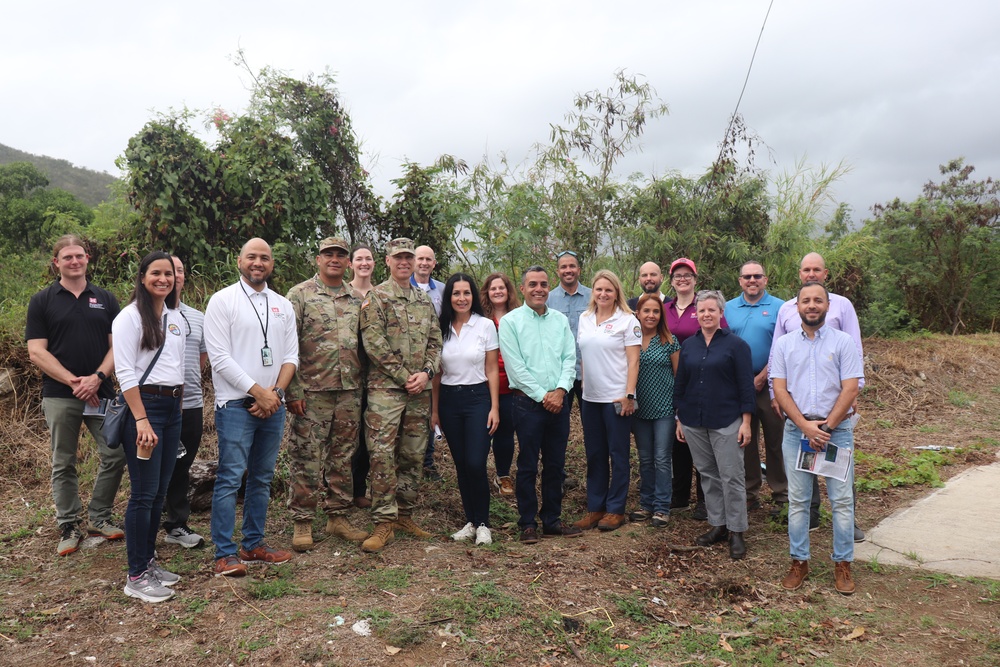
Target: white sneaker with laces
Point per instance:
(184, 536)
(467, 531)
(147, 588)
(483, 535)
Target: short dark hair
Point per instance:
(812, 283)
(532, 269)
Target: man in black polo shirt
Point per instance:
(69, 339)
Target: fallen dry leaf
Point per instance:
(725, 645)
(855, 633)
(392, 650)
(621, 647)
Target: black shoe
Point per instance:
(753, 505)
(570, 483)
(559, 530)
(717, 534)
(813, 523)
(700, 512)
(679, 504)
(529, 536)
(431, 473)
(737, 546)
(859, 535)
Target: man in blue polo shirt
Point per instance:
(751, 316)
(571, 298)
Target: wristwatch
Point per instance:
(281, 393)
(825, 428)
(430, 373)
(630, 397)
(101, 376)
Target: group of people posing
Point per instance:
(371, 373)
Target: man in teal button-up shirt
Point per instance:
(539, 354)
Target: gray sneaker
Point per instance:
(163, 576)
(185, 537)
(147, 588)
(69, 539)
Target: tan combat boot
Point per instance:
(339, 526)
(302, 540)
(380, 537)
(406, 524)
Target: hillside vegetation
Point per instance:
(89, 186)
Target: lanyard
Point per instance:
(265, 323)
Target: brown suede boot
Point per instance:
(611, 522)
(406, 524)
(589, 521)
(339, 526)
(796, 575)
(842, 580)
(379, 539)
(302, 540)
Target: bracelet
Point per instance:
(140, 419)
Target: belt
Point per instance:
(162, 390)
(815, 418)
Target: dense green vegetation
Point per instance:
(89, 186)
(289, 170)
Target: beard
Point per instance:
(813, 321)
(254, 281)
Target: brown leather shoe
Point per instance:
(230, 566)
(611, 522)
(406, 524)
(338, 526)
(380, 537)
(302, 539)
(505, 485)
(842, 579)
(589, 521)
(796, 575)
(264, 554)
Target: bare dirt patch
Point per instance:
(635, 596)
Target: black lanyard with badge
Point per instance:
(266, 358)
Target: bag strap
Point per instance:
(149, 369)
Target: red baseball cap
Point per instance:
(683, 261)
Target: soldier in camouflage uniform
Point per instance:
(402, 338)
(325, 397)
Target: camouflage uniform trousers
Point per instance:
(320, 448)
(396, 425)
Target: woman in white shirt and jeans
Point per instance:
(467, 398)
(610, 340)
(152, 429)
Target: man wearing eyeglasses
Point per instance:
(841, 316)
(570, 298)
(176, 506)
(752, 316)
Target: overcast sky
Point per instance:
(892, 87)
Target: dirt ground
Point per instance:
(637, 596)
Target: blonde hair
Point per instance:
(620, 301)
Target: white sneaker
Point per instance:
(147, 588)
(483, 535)
(467, 531)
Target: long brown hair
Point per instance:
(152, 330)
(484, 293)
(662, 329)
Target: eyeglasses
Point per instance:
(683, 276)
(752, 276)
(567, 252)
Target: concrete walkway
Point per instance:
(955, 530)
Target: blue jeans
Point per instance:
(149, 479)
(540, 432)
(606, 440)
(654, 443)
(464, 411)
(503, 437)
(800, 491)
(246, 443)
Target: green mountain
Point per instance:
(90, 186)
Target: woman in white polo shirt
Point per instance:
(148, 334)
(610, 339)
(467, 398)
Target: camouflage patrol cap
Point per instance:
(399, 246)
(334, 242)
